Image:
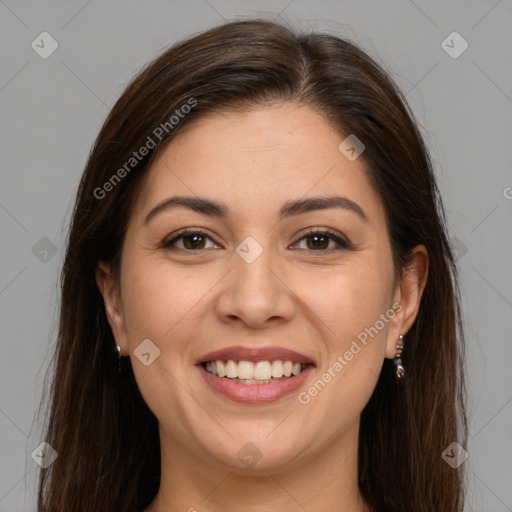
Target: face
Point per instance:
(266, 282)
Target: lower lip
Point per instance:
(254, 393)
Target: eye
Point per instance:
(190, 241)
(195, 240)
(320, 239)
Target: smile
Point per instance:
(248, 372)
(255, 390)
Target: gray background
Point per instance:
(52, 109)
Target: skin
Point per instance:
(314, 301)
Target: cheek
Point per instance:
(161, 302)
(158, 302)
(346, 300)
(353, 305)
(163, 305)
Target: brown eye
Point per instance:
(192, 242)
(319, 240)
(188, 241)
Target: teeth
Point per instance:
(252, 373)
(231, 370)
(262, 370)
(245, 369)
(296, 368)
(277, 369)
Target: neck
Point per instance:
(326, 482)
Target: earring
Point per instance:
(400, 372)
(118, 348)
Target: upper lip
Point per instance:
(240, 353)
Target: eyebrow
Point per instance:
(290, 208)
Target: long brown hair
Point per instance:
(105, 435)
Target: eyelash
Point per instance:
(343, 244)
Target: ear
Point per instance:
(408, 292)
(109, 289)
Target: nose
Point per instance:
(256, 293)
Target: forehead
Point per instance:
(256, 160)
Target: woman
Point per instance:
(259, 302)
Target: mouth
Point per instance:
(249, 372)
(254, 375)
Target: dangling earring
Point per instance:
(118, 348)
(400, 372)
